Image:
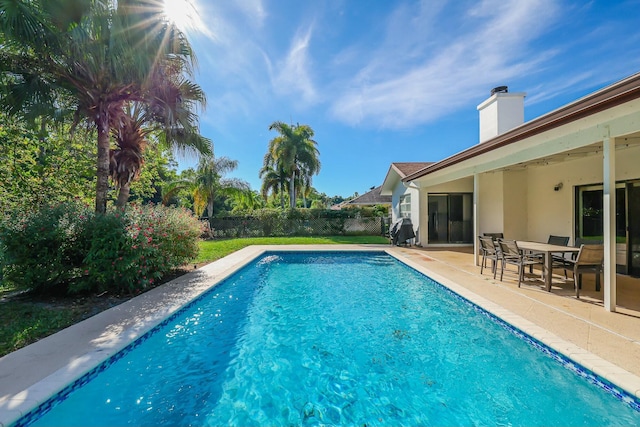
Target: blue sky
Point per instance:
(384, 81)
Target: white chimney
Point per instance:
(500, 113)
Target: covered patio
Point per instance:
(573, 172)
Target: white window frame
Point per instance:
(404, 207)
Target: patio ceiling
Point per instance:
(622, 144)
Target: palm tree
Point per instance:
(167, 113)
(295, 153)
(247, 201)
(209, 182)
(98, 58)
(273, 180)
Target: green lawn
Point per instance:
(25, 320)
(212, 250)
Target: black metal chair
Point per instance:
(558, 240)
(489, 252)
(582, 241)
(512, 254)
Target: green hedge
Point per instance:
(299, 222)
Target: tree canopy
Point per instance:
(88, 57)
(294, 154)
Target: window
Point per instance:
(405, 206)
(589, 216)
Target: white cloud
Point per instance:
(253, 10)
(410, 81)
(292, 74)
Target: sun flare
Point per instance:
(184, 15)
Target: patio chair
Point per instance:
(589, 260)
(511, 254)
(582, 241)
(489, 252)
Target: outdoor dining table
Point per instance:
(547, 249)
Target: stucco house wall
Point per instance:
(490, 205)
(399, 190)
(552, 212)
(516, 212)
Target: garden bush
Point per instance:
(43, 249)
(69, 248)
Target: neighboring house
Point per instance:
(338, 206)
(370, 198)
(404, 196)
(574, 172)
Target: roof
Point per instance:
(398, 171)
(372, 197)
(408, 168)
(611, 96)
(337, 206)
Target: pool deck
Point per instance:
(606, 343)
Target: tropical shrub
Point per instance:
(133, 249)
(43, 249)
(70, 248)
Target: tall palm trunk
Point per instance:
(210, 209)
(102, 184)
(282, 188)
(304, 197)
(123, 195)
(292, 190)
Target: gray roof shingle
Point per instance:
(372, 197)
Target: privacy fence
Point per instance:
(284, 225)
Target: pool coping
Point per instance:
(94, 340)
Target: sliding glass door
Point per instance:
(590, 222)
(450, 218)
(633, 197)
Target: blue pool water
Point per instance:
(335, 339)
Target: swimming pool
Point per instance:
(334, 338)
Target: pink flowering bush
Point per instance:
(70, 248)
(133, 249)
